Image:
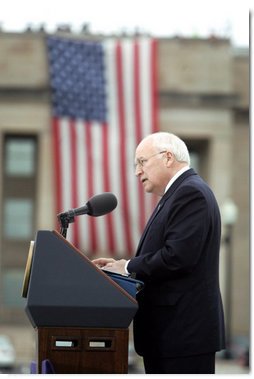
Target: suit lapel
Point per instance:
(161, 203)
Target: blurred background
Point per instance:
(203, 97)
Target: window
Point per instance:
(194, 160)
(19, 186)
(19, 159)
(18, 218)
(199, 153)
(19, 177)
(12, 288)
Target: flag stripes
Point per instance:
(93, 156)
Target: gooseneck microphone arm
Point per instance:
(98, 205)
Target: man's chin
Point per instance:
(147, 187)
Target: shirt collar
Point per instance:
(179, 173)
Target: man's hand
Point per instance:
(111, 264)
(102, 262)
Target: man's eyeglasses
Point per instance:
(142, 161)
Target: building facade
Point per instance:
(203, 98)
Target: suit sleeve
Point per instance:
(180, 231)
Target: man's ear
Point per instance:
(169, 157)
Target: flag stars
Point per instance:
(77, 79)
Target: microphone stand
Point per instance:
(65, 219)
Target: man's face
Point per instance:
(151, 168)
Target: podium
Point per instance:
(81, 315)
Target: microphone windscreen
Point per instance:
(102, 204)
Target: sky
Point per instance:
(162, 18)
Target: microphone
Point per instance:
(97, 205)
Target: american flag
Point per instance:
(104, 102)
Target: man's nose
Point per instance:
(138, 170)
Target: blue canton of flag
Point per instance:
(77, 79)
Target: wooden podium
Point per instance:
(84, 350)
(81, 316)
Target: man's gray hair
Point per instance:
(168, 141)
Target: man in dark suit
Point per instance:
(179, 325)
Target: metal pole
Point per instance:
(228, 298)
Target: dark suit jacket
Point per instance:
(180, 308)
